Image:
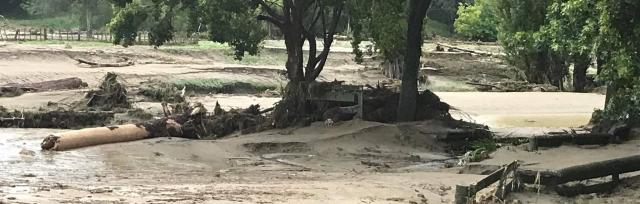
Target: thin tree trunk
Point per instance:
(409, 89)
(581, 64)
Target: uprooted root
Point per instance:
(110, 94)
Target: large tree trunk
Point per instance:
(580, 66)
(409, 89)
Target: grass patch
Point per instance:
(223, 86)
(162, 92)
(202, 45)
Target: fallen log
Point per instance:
(557, 140)
(613, 167)
(94, 136)
(111, 134)
(95, 64)
(52, 85)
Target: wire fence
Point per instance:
(44, 34)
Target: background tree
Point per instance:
(518, 25)
(572, 28)
(477, 21)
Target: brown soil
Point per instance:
(350, 162)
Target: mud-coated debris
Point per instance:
(110, 94)
(28, 175)
(101, 190)
(375, 164)
(27, 152)
(11, 198)
(414, 158)
(157, 154)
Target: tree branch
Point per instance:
(270, 10)
(270, 19)
(328, 40)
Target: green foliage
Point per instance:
(477, 21)
(126, 22)
(132, 16)
(388, 27)
(384, 21)
(222, 86)
(619, 39)
(234, 22)
(486, 144)
(519, 23)
(47, 8)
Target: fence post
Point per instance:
(17, 33)
(79, 34)
(45, 34)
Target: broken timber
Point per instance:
(465, 50)
(613, 168)
(465, 194)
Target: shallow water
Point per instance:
(22, 160)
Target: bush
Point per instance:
(477, 21)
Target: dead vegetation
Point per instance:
(110, 94)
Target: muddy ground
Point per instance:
(351, 162)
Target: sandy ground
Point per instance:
(322, 165)
(353, 162)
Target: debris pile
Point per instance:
(110, 94)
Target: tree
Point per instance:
(300, 22)
(619, 37)
(409, 90)
(234, 22)
(572, 29)
(477, 21)
(130, 16)
(519, 23)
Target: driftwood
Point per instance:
(556, 179)
(465, 194)
(95, 64)
(464, 50)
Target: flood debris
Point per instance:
(15, 89)
(187, 121)
(507, 178)
(110, 94)
(59, 118)
(561, 180)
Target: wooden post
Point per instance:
(45, 34)
(462, 194)
(79, 35)
(533, 144)
(15, 37)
